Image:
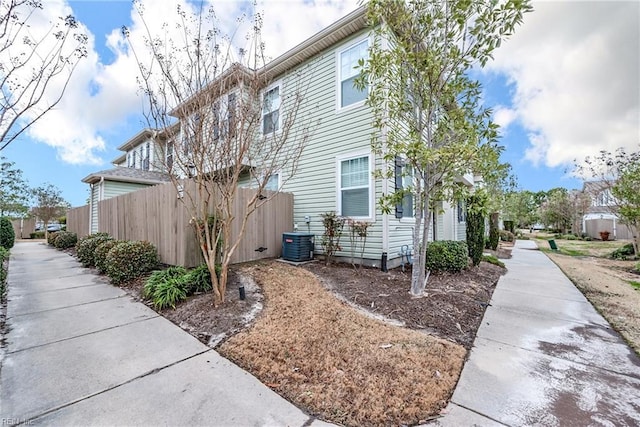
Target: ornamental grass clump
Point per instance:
(131, 259)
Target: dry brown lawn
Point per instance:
(342, 366)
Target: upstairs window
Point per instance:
(215, 120)
(133, 159)
(169, 159)
(271, 111)
(348, 71)
(147, 156)
(231, 115)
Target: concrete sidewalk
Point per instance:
(82, 352)
(544, 356)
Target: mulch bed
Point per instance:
(452, 307)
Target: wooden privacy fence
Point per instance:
(593, 227)
(23, 228)
(157, 214)
(78, 220)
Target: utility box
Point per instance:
(297, 246)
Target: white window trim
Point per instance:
(405, 218)
(338, 66)
(280, 93)
(279, 175)
(372, 184)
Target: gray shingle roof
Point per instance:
(124, 174)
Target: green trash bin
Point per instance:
(552, 244)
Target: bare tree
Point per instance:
(35, 65)
(224, 125)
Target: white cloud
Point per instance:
(575, 71)
(504, 116)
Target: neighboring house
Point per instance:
(142, 165)
(601, 215)
(335, 171)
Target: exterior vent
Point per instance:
(297, 246)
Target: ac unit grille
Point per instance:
(297, 246)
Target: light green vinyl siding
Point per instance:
(116, 188)
(95, 194)
(338, 133)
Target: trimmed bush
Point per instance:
(51, 237)
(65, 240)
(475, 235)
(447, 255)
(130, 259)
(7, 235)
(86, 247)
(37, 235)
(100, 254)
(4, 256)
(507, 236)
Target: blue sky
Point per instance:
(565, 86)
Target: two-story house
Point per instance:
(601, 215)
(142, 164)
(336, 168)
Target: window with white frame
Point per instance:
(348, 71)
(273, 183)
(133, 159)
(169, 159)
(462, 210)
(354, 182)
(147, 157)
(271, 110)
(215, 120)
(231, 115)
(408, 185)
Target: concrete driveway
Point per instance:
(81, 352)
(543, 356)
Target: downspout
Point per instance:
(100, 198)
(90, 208)
(385, 183)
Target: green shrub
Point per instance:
(637, 268)
(506, 236)
(51, 237)
(199, 279)
(86, 247)
(130, 259)
(100, 254)
(4, 256)
(166, 287)
(571, 237)
(447, 255)
(7, 235)
(475, 229)
(493, 260)
(623, 252)
(65, 240)
(37, 235)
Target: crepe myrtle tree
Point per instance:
(426, 108)
(36, 64)
(617, 173)
(223, 122)
(49, 204)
